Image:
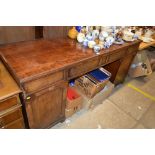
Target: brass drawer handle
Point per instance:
(28, 98)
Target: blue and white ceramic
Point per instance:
(89, 37)
(90, 29)
(103, 35)
(95, 34)
(80, 37)
(85, 43)
(107, 45)
(97, 48)
(110, 40)
(118, 41)
(78, 28)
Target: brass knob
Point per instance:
(28, 98)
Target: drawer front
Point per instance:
(18, 124)
(10, 117)
(43, 82)
(103, 60)
(83, 68)
(132, 49)
(6, 104)
(116, 55)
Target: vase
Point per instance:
(72, 33)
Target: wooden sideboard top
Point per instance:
(8, 86)
(31, 59)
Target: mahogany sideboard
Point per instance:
(43, 68)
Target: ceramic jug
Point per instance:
(91, 44)
(72, 33)
(103, 35)
(97, 48)
(80, 37)
(95, 34)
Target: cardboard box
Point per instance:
(70, 112)
(140, 65)
(74, 102)
(73, 98)
(98, 98)
(90, 86)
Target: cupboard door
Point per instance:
(46, 106)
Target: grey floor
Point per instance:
(125, 108)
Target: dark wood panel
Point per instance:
(52, 32)
(10, 34)
(38, 32)
(46, 106)
(113, 69)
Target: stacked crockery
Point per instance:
(99, 37)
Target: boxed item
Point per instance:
(89, 103)
(140, 65)
(70, 112)
(74, 102)
(93, 82)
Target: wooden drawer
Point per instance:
(43, 82)
(83, 68)
(8, 103)
(103, 60)
(116, 55)
(132, 49)
(18, 124)
(10, 117)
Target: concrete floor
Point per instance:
(124, 109)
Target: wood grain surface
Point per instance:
(8, 85)
(31, 59)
